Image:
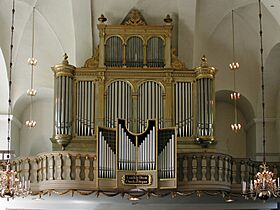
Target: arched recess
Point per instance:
(35, 140)
(272, 99)
(240, 144)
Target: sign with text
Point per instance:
(136, 179)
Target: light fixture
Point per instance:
(234, 66)
(32, 62)
(133, 198)
(10, 185)
(264, 184)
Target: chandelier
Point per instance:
(32, 62)
(234, 66)
(264, 184)
(10, 185)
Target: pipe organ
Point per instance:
(85, 108)
(136, 76)
(150, 104)
(63, 74)
(118, 103)
(126, 158)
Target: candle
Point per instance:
(251, 185)
(244, 187)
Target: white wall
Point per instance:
(229, 142)
(36, 140)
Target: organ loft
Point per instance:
(134, 104)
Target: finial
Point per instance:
(65, 59)
(204, 61)
(102, 18)
(168, 19)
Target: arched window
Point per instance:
(155, 52)
(134, 52)
(113, 52)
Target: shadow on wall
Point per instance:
(238, 144)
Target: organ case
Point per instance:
(136, 75)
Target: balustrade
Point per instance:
(196, 171)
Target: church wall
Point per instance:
(228, 141)
(36, 140)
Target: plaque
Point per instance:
(137, 179)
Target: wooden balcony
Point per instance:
(75, 171)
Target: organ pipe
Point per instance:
(106, 153)
(118, 103)
(63, 102)
(155, 52)
(134, 52)
(205, 101)
(183, 113)
(150, 104)
(113, 52)
(85, 108)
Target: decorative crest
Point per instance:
(134, 18)
(176, 62)
(94, 60)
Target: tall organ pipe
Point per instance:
(63, 102)
(205, 102)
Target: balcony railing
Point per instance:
(62, 171)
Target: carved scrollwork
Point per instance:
(176, 62)
(93, 61)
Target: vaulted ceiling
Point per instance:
(200, 27)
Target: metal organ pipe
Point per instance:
(183, 108)
(106, 154)
(205, 107)
(85, 95)
(118, 103)
(150, 104)
(63, 102)
(113, 52)
(167, 154)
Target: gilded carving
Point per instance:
(134, 18)
(93, 61)
(176, 62)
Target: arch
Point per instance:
(114, 51)
(134, 54)
(243, 104)
(157, 82)
(150, 104)
(155, 52)
(118, 103)
(272, 80)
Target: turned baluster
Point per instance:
(194, 168)
(203, 166)
(220, 171)
(226, 159)
(185, 169)
(58, 168)
(34, 170)
(51, 167)
(87, 165)
(242, 171)
(67, 167)
(78, 167)
(212, 168)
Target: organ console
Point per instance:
(134, 77)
